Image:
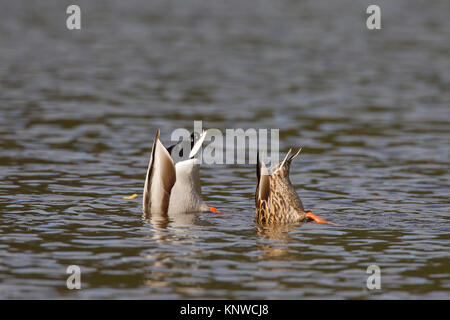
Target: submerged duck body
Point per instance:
(276, 200)
(173, 188)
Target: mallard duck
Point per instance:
(276, 200)
(173, 188)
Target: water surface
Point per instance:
(79, 110)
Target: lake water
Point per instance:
(79, 110)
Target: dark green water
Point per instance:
(79, 109)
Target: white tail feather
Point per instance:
(197, 145)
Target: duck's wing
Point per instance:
(161, 176)
(262, 183)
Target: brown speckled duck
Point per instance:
(277, 202)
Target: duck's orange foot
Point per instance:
(317, 219)
(213, 209)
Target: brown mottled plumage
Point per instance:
(276, 200)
